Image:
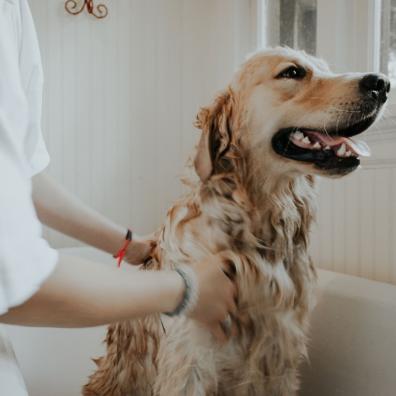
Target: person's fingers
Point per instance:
(154, 236)
(218, 333)
(234, 329)
(230, 271)
(229, 268)
(234, 323)
(217, 305)
(231, 295)
(142, 252)
(229, 322)
(232, 308)
(235, 290)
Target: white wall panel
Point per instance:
(122, 93)
(356, 228)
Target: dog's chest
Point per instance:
(264, 286)
(274, 297)
(272, 318)
(188, 237)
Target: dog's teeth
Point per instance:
(298, 135)
(306, 140)
(327, 148)
(342, 150)
(317, 145)
(348, 154)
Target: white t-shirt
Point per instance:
(26, 260)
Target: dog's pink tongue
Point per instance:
(358, 146)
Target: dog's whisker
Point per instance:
(339, 110)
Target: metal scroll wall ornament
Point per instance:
(76, 7)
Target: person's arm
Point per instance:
(63, 212)
(81, 293)
(39, 288)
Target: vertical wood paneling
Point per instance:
(392, 233)
(357, 219)
(352, 221)
(121, 95)
(169, 107)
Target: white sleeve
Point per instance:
(32, 81)
(26, 260)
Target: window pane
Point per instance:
(388, 39)
(291, 23)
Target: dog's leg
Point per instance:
(130, 366)
(186, 361)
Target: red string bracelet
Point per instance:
(121, 253)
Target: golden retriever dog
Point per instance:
(284, 118)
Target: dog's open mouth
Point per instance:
(326, 149)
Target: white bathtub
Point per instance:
(352, 348)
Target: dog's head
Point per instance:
(290, 111)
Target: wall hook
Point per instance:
(76, 7)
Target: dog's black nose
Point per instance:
(376, 86)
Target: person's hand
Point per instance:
(140, 249)
(217, 296)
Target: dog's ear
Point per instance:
(215, 123)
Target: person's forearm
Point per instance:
(63, 212)
(81, 293)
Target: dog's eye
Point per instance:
(294, 72)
